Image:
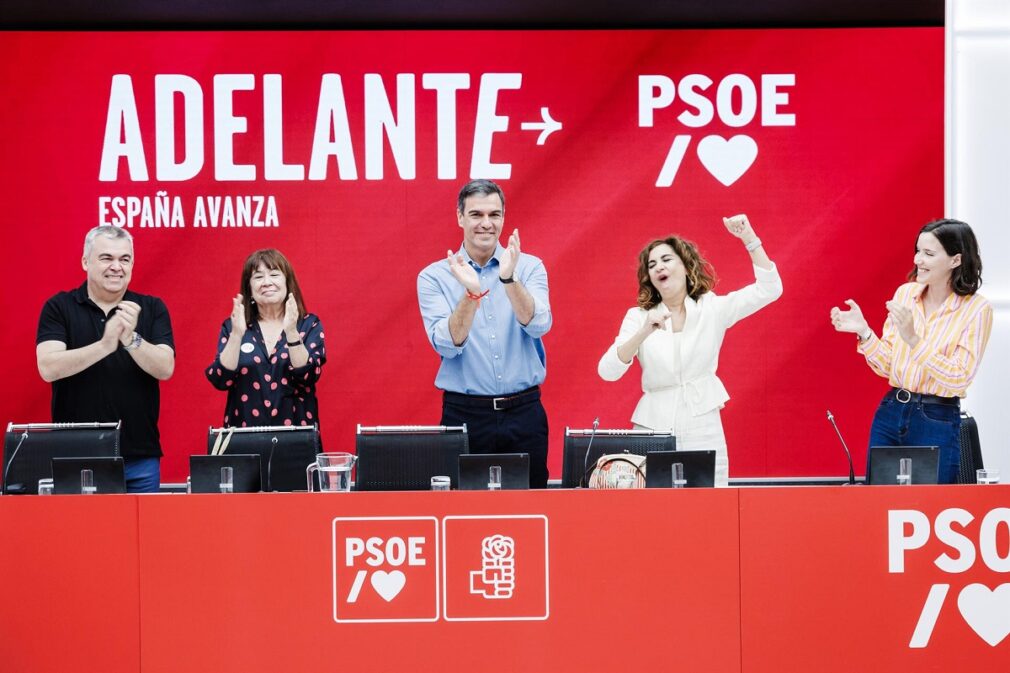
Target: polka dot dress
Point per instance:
(265, 389)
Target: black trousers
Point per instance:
(519, 429)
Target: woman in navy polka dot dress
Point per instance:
(270, 352)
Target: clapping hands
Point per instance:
(849, 321)
(510, 257)
(463, 272)
(238, 324)
(290, 324)
(129, 313)
(902, 318)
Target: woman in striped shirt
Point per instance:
(932, 342)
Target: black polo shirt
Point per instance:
(114, 388)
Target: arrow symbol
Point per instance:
(546, 128)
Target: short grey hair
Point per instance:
(481, 187)
(108, 231)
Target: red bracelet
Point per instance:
(477, 297)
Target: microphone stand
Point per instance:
(270, 462)
(848, 456)
(585, 458)
(10, 462)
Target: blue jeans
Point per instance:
(143, 475)
(918, 424)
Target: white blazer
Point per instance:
(706, 323)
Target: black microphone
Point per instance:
(270, 462)
(585, 459)
(852, 474)
(22, 488)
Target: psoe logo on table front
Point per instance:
(471, 568)
(984, 607)
(495, 568)
(385, 569)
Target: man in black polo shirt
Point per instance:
(105, 349)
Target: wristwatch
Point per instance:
(134, 342)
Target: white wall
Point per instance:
(978, 191)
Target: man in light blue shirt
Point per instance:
(485, 309)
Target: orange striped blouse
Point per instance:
(947, 356)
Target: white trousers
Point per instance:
(698, 433)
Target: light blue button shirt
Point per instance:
(500, 356)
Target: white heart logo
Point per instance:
(727, 160)
(987, 612)
(388, 585)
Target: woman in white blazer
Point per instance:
(676, 331)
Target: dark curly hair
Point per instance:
(700, 275)
(957, 238)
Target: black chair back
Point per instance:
(406, 457)
(575, 462)
(29, 450)
(971, 450)
(285, 451)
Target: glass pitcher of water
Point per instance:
(334, 472)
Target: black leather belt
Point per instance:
(904, 396)
(494, 403)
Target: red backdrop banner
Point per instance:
(346, 150)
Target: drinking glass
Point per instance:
(987, 476)
(677, 475)
(227, 483)
(494, 478)
(904, 471)
(88, 482)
